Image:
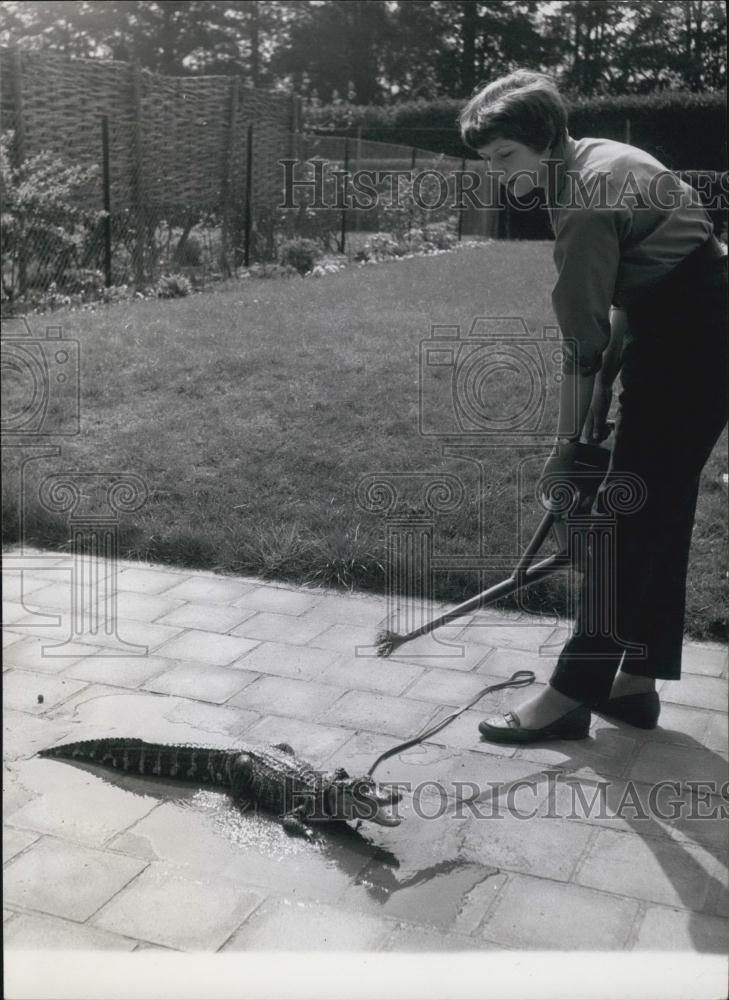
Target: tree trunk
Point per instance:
(255, 44)
(468, 68)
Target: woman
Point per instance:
(632, 237)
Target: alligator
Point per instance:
(272, 778)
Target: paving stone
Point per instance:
(10, 637)
(343, 638)
(39, 655)
(416, 939)
(287, 696)
(143, 580)
(448, 687)
(701, 821)
(536, 913)
(505, 662)
(131, 638)
(211, 684)
(13, 612)
(679, 724)
(540, 846)
(24, 734)
(18, 584)
(365, 674)
(499, 635)
(207, 617)
(310, 740)
(31, 931)
(22, 689)
(286, 661)
(653, 869)
(608, 751)
(298, 926)
(287, 602)
(185, 839)
(76, 805)
(15, 841)
(206, 647)
(266, 625)
(664, 929)
(659, 762)
(120, 671)
(716, 737)
(379, 713)
(704, 658)
(340, 609)
(613, 803)
(213, 718)
(429, 652)
(66, 880)
(698, 692)
(177, 912)
(209, 589)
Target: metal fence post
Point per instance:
(461, 207)
(137, 185)
(106, 181)
(18, 152)
(227, 199)
(627, 131)
(413, 158)
(343, 241)
(249, 199)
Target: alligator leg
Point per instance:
(293, 823)
(240, 781)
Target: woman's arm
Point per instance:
(595, 429)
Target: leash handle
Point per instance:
(521, 678)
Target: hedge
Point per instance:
(686, 131)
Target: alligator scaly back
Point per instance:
(188, 763)
(273, 778)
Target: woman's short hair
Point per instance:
(523, 106)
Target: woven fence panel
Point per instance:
(187, 139)
(59, 108)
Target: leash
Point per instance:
(522, 678)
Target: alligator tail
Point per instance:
(186, 763)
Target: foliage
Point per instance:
(382, 51)
(173, 286)
(684, 129)
(49, 233)
(301, 254)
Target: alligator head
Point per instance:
(362, 798)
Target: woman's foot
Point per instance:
(627, 684)
(540, 710)
(633, 699)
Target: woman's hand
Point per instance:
(596, 428)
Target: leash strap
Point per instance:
(522, 678)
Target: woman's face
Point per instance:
(520, 169)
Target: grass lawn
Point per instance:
(253, 411)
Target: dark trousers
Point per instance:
(672, 409)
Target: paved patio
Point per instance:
(499, 848)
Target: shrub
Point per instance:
(301, 254)
(47, 227)
(439, 236)
(172, 286)
(684, 130)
